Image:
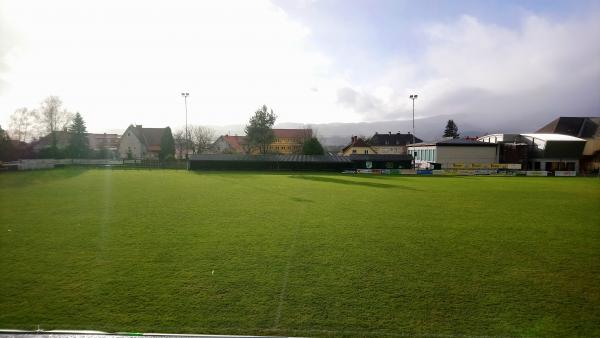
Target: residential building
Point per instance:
(357, 145)
(453, 154)
(392, 143)
(287, 141)
(140, 143)
(96, 142)
(107, 144)
(586, 128)
(383, 144)
(228, 144)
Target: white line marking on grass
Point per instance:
(286, 275)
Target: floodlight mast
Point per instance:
(413, 97)
(185, 95)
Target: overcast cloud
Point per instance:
(122, 62)
(542, 68)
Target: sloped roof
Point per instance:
(356, 142)
(585, 127)
(235, 142)
(393, 139)
(149, 136)
(293, 133)
(269, 158)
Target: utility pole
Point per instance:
(187, 141)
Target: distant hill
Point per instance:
(431, 128)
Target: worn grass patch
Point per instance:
(299, 254)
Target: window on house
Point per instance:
(354, 151)
(366, 151)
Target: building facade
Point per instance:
(382, 144)
(539, 151)
(586, 128)
(141, 143)
(357, 145)
(453, 154)
(287, 142)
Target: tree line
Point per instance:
(50, 118)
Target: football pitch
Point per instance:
(299, 254)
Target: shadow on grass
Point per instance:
(301, 200)
(30, 177)
(348, 182)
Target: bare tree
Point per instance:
(179, 138)
(22, 124)
(51, 117)
(201, 138)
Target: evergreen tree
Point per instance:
(167, 145)
(78, 141)
(259, 131)
(451, 130)
(312, 146)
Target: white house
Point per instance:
(140, 143)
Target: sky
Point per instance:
(311, 61)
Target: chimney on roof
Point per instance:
(138, 126)
(390, 133)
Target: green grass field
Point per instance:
(299, 254)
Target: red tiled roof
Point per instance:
(235, 142)
(293, 133)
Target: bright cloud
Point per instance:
(120, 62)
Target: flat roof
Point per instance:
(454, 143)
(553, 137)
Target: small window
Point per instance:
(366, 151)
(354, 151)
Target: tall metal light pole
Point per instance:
(185, 95)
(413, 98)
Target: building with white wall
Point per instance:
(454, 153)
(545, 151)
(141, 143)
